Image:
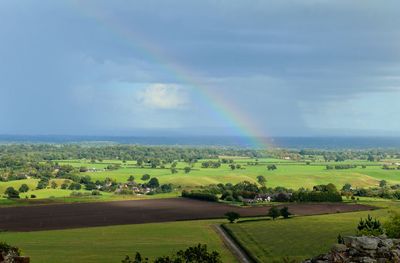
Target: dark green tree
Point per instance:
(232, 216)
(11, 192)
(369, 227)
(153, 183)
(273, 212)
(145, 177)
(23, 188)
(285, 212)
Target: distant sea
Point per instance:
(218, 141)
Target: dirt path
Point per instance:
(232, 245)
(64, 216)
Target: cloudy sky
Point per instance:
(306, 67)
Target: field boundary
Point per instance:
(242, 255)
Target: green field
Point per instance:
(289, 174)
(111, 244)
(300, 237)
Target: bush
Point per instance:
(273, 212)
(200, 196)
(33, 196)
(285, 212)
(369, 227)
(392, 227)
(23, 188)
(75, 186)
(232, 216)
(96, 192)
(145, 177)
(7, 250)
(11, 192)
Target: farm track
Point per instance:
(66, 216)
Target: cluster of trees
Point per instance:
(383, 191)
(211, 164)
(274, 212)
(247, 191)
(342, 166)
(194, 254)
(205, 196)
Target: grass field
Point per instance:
(300, 237)
(111, 244)
(289, 174)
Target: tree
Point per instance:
(174, 170)
(273, 212)
(346, 187)
(271, 167)
(232, 216)
(131, 178)
(382, 183)
(11, 192)
(369, 227)
(23, 188)
(54, 185)
(187, 169)
(65, 185)
(232, 166)
(145, 177)
(153, 183)
(75, 186)
(285, 212)
(261, 180)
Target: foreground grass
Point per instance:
(111, 244)
(300, 237)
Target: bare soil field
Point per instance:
(64, 216)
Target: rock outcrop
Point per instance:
(362, 249)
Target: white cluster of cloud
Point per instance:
(163, 96)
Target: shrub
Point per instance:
(23, 188)
(369, 227)
(75, 186)
(9, 251)
(273, 212)
(33, 196)
(392, 227)
(145, 177)
(232, 216)
(285, 212)
(11, 192)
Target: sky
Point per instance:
(227, 67)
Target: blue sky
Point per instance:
(306, 67)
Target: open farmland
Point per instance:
(289, 173)
(141, 211)
(268, 241)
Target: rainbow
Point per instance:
(224, 109)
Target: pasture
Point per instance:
(112, 243)
(290, 174)
(300, 237)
